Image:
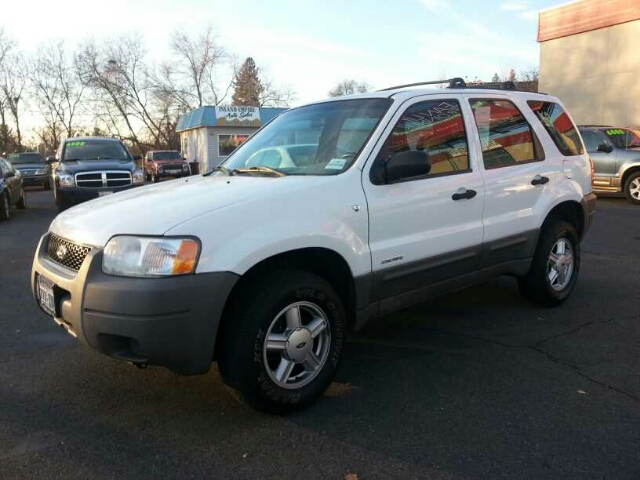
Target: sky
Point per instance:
(309, 46)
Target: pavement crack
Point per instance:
(538, 349)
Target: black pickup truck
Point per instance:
(92, 167)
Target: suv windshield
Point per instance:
(94, 150)
(321, 139)
(21, 158)
(166, 156)
(623, 137)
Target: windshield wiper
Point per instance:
(219, 168)
(260, 169)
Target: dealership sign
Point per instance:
(232, 116)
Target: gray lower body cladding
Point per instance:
(170, 322)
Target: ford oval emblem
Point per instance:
(61, 252)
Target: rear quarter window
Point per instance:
(559, 126)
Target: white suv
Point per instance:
(333, 213)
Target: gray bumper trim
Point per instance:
(170, 322)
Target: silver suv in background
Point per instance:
(615, 153)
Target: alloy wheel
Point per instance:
(297, 345)
(634, 188)
(560, 264)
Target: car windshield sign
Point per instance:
(320, 139)
(23, 158)
(94, 150)
(623, 137)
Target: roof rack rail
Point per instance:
(458, 82)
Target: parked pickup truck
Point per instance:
(92, 167)
(267, 263)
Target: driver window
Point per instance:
(435, 127)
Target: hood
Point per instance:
(154, 209)
(90, 165)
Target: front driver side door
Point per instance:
(605, 164)
(424, 230)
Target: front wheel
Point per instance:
(22, 202)
(632, 188)
(282, 346)
(555, 266)
(5, 206)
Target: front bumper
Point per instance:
(170, 322)
(35, 179)
(75, 195)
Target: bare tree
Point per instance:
(272, 96)
(58, 86)
(12, 85)
(348, 87)
(193, 73)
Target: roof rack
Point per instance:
(458, 82)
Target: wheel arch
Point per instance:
(634, 168)
(324, 262)
(570, 211)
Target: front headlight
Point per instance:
(41, 171)
(137, 177)
(129, 256)
(65, 180)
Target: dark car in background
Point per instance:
(92, 167)
(615, 153)
(11, 189)
(32, 166)
(165, 163)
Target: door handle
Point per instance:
(464, 193)
(539, 180)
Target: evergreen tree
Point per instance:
(495, 78)
(247, 86)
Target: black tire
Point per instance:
(536, 285)
(47, 185)
(241, 358)
(22, 202)
(630, 188)
(154, 177)
(5, 206)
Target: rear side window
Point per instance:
(505, 135)
(560, 127)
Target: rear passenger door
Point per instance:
(422, 230)
(602, 152)
(515, 175)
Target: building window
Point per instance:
(228, 143)
(505, 135)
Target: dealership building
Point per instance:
(209, 134)
(590, 59)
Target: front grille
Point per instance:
(66, 253)
(108, 179)
(177, 166)
(28, 172)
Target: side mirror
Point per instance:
(50, 160)
(137, 157)
(404, 165)
(603, 147)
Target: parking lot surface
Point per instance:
(479, 383)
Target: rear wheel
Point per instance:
(22, 202)
(282, 347)
(632, 188)
(555, 266)
(5, 207)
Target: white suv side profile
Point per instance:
(333, 213)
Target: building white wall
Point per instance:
(596, 74)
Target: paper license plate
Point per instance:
(45, 295)
(105, 193)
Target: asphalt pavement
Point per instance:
(479, 383)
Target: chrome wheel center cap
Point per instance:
(299, 345)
